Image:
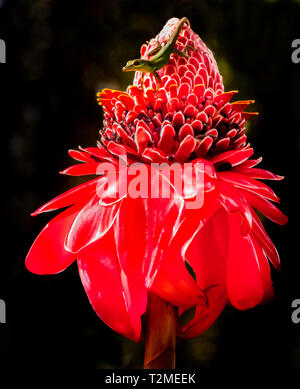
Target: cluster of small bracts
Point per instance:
(190, 116)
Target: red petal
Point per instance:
(204, 75)
(81, 169)
(265, 207)
(249, 115)
(90, 224)
(185, 130)
(127, 101)
(173, 105)
(265, 273)
(210, 110)
(131, 115)
(166, 142)
(205, 316)
(225, 97)
(79, 193)
(244, 283)
(130, 237)
(207, 252)
(213, 133)
(199, 89)
(265, 242)
(207, 255)
(221, 145)
(204, 146)
(178, 120)
(239, 106)
(186, 147)
(197, 125)
(126, 139)
(142, 138)
(79, 155)
(99, 154)
(168, 277)
(155, 155)
(119, 150)
(232, 133)
(190, 111)
(240, 142)
(202, 116)
(192, 100)
(173, 283)
(184, 90)
(161, 215)
(249, 184)
(258, 173)
(47, 254)
(234, 157)
(107, 287)
(250, 163)
(232, 200)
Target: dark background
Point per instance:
(59, 54)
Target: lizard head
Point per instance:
(136, 65)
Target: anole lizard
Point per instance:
(161, 55)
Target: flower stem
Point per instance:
(161, 335)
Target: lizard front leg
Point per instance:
(156, 75)
(185, 53)
(142, 80)
(188, 47)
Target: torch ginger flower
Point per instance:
(128, 248)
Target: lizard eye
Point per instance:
(135, 63)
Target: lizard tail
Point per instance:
(186, 20)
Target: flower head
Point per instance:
(189, 117)
(129, 246)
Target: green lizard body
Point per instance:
(161, 55)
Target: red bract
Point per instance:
(127, 247)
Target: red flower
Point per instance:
(129, 246)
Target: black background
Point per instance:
(59, 54)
